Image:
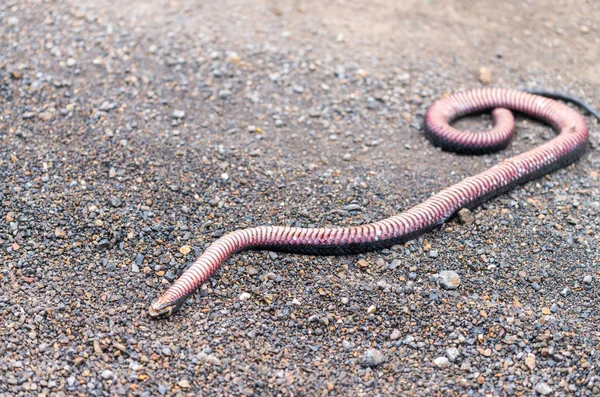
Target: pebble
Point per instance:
(373, 358)
(543, 388)
(485, 75)
(433, 254)
(372, 309)
(163, 389)
(465, 216)
(442, 362)
(107, 374)
(184, 383)
(449, 279)
(347, 346)
(244, 296)
(251, 270)
(115, 202)
(588, 280)
(178, 114)
(139, 259)
(452, 353)
(60, 233)
(396, 334)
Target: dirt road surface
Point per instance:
(134, 133)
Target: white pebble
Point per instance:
(441, 362)
(244, 296)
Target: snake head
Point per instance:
(160, 308)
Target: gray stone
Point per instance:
(107, 374)
(543, 388)
(465, 216)
(441, 362)
(373, 358)
(178, 114)
(449, 279)
(452, 353)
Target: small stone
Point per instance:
(163, 389)
(139, 259)
(530, 361)
(71, 62)
(135, 268)
(347, 157)
(565, 292)
(441, 362)
(233, 57)
(545, 310)
(395, 334)
(543, 388)
(106, 106)
(115, 202)
(45, 116)
(373, 358)
(452, 353)
(449, 279)
(347, 345)
(362, 263)
(107, 374)
(97, 348)
(224, 93)
(465, 216)
(184, 383)
(433, 254)
(372, 309)
(60, 233)
(485, 75)
(588, 280)
(185, 249)
(296, 302)
(244, 296)
(268, 298)
(251, 270)
(554, 308)
(178, 114)
(584, 29)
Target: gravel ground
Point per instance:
(135, 133)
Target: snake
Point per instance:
(567, 146)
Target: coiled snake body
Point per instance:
(566, 147)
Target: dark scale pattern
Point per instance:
(566, 147)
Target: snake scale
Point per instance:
(568, 145)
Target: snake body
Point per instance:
(566, 147)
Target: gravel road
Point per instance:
(134, 133)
